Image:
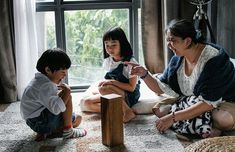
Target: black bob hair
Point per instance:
(116, 33)
(55, 59)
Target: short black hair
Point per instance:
(116, 33)
(55, 59)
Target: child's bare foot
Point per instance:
(77, 121)
(214, 133)
(128, 115)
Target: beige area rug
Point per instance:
(140, 135)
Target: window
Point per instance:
(78, 26)
(45, 31)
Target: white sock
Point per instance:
(74, 133)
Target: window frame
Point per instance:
(60, 6)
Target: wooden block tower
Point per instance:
(112, 120)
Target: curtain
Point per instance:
(156, 14)
(152, 40)
(223, 24)
(26, 49)
(8, 90)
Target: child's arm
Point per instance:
(124, 86)
(48, 97)
(65, 92)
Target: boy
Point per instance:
(46, 109)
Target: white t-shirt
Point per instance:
(41, 93)
(109, 64)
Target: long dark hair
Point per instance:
(184, 28)
(116, 33)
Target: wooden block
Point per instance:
(112, 120)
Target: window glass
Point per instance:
(98, 1)
(44, 0)
(84, 30)
(46, 37)
(141, 56)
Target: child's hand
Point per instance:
(101, 83)
(60, 93)
(64, 87)
(65, 92)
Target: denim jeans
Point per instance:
(47, 122)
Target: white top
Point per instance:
(109, 64)
(41, 93)
(187, 83)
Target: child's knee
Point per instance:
(86, 102)
(83, 104)
(104, 89)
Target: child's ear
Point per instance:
(47, 69)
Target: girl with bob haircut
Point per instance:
(118, 80)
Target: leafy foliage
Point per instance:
(84, 31)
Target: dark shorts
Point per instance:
(47, 122)
(133, 97)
